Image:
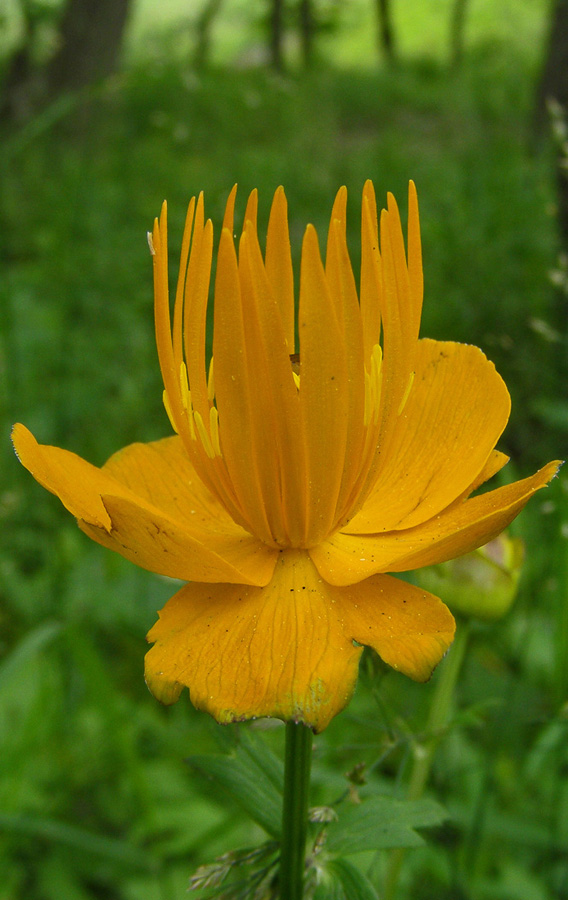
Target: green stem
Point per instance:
(297, 765)
(438, 717)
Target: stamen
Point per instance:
(168, 409)
(202, 432)
(296, 378)
(211, 382)
(406, 393)
(377, 357)
(214, 430)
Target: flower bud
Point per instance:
(483, 583)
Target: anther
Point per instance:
(214, 430)
(211, 382)
(406, 393)
(204, 437)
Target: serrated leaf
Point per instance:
(380, 823)
(341, 880)
(248, 784)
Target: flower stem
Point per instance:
(297, 765)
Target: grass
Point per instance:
(95, 797)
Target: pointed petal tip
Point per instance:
(19, 436)
(311, 239)
(392, 205)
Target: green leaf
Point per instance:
(341, 880)
(381, 822)
(79, 839)
(260, 754)
(248, 783)
(32, 644)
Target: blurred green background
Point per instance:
(96, 800)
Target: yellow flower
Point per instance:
(294, 484)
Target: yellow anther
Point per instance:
(211, 382)
(214, 430)
(406, 393)
(168, 409)
(204, 437)
(296, 378)
(377, 357)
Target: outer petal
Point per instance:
(244, 652)
(163, 545)
(287, 650)
(161, 473)
(346, 559)
(141, 505)
(455, 413)
(409, 628)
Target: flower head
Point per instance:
(296, 481)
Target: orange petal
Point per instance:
(245, 652)
(409, 628)
(234, 391)
(346, 559)
(324, 390)
(414, 254)
(339, 275)
(456, 411)
(279, 264)
(371, 285)
(161, 473)
(276, 408)
(77, 483)
(148, 505)
(494, 464)
(167, 547)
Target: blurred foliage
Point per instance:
(95, 797)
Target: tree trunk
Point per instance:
(307, 28)
(19, 87)
(553, 89)
(553, 83)
(91, 40)
(457, 30)
(385, 31)
(277, 35)
(203, 27)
